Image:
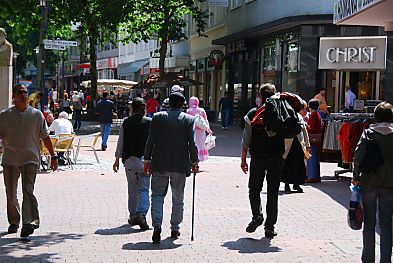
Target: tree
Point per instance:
(97, 21)
(165, 19)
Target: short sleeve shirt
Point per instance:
(21, 133)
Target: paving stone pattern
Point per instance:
(84, 219)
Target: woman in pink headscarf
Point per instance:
(201, 127)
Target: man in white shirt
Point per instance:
(75, 97)
(62, 125)
(349, 98)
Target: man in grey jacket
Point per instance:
(170, 155)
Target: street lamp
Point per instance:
(40, 84)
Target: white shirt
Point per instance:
(61, 126)
(75, 98)
(81, 95)
(349, 98)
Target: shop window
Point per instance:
(291, 66)
(236, 3)
(269, 62)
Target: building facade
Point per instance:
(280, 43)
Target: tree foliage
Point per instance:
(163, 19)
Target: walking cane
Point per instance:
(193, 205)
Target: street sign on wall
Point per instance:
(60, 42)
(54, 47)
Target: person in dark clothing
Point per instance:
(130, 148)
(105, 109)
(225, 104)
(266, 159)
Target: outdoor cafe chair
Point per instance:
(64, 145)
(94, 138)
(45, 154)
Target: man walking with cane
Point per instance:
(170, 155)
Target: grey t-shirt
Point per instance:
(21, 133)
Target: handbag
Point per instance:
(201, 123)
(307, 154)
(210, 142)
(315, 139)
(373, 157)
(355, 209)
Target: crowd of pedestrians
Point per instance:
(161, 147)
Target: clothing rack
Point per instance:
(348, 117)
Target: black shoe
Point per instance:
(13, 229)
(156, 235)
(297, 188)
(103, 148)
(142, 222)
(270, 233)
(287, 188)
(27, 230)
(133, 220)
(254, 224)
(175, 233)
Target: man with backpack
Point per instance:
(265, 144)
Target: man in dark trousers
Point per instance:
(266, 159)
(225, 104)
(170, 155)
(130, 148)
(105, 109)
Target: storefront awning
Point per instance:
(131, 67)
(368, 13)
(273, 26)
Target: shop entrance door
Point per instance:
(365, 85)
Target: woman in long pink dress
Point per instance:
(200, 128)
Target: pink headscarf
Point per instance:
(194, 108)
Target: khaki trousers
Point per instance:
(29, 203)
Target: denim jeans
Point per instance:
(105, 131)
(159, 189)
(383, 196)
(272, 168)
(138, 192)
(224, 118)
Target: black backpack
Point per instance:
(373, 158)
(280, 117)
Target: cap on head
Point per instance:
(176, 88)
(138, 103)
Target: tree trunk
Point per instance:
(163, 49)
(93, 60)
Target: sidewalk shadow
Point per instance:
(251, 245)
(338, 190)
(10, 244)
(164, 245)
(120, 230)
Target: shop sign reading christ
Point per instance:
(354, 53)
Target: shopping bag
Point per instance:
(210, 142)
(307, 154)
(355, 209)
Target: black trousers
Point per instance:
(272, 169)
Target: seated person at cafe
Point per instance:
(62, 125)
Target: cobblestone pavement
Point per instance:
(84, 218)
